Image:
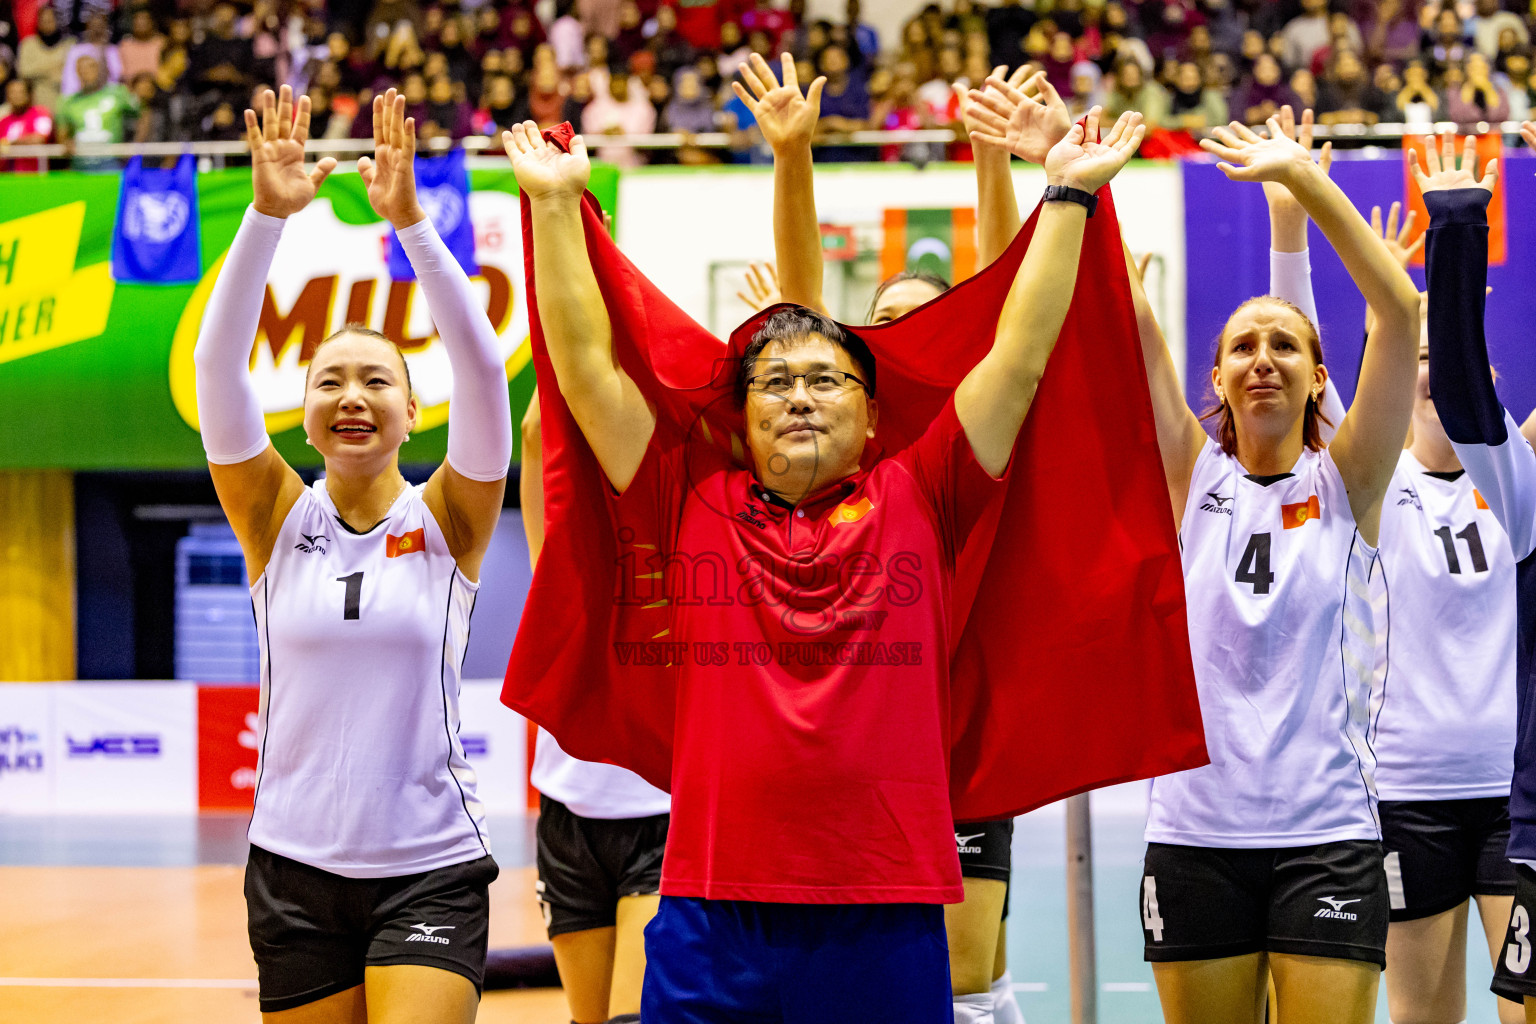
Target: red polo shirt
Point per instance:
(812, 646)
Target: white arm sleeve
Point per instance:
(479, 413)
(1505, 478)
(228, 411)
(1290, 278)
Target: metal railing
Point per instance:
(478, 144)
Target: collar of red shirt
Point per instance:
(824, 498)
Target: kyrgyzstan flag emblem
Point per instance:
(846, 513)
(416, 540)
(1300, 513)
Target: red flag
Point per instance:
(405, 544)
(1073, 670)
(1300, 513)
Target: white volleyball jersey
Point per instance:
(1283, 633)
(360, 770)
(1447, 727)
(591, 789)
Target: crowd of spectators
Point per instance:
(179, 70)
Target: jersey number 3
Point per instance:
(354, 595)
(1254, 566)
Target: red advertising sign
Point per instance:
(226, 747)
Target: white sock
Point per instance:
(1005, 1008)
(974, 1009)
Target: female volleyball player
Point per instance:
(1444, 741)
(600, 837)
(1268, 861)
(978, 960)
(369, 865)
(1501, 466)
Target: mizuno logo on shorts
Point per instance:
(1335, 909)
(425, 934)
(962, 843)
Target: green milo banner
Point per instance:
(97, 374)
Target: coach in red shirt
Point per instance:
(810, 620)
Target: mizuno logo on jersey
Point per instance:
(1299, 513)
(753, 516)
(425, 933)
(1217, 504)
(963, 843)
(405, 544)
(1411, 499)
(846, 513)
(309, 545)
(1335, 909)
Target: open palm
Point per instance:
(1443, 172)
(1022, 113)
(280, 184)
(784, 116)
(543, 169)
(1249, 156)
(1079, 162)
(390, 176)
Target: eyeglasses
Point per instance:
(817, 382)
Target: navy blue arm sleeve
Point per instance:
(1456, 266)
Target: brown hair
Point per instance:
(366, 332)
(1226, 426)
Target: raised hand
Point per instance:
(542, 169)
(1397, 242)
(785, 117)
(1044, 131)
(1443, 172)
(391, 173)
(1079, 163)
(278, 179)
(762, 285)
(1026, 117)
(1279, 197)
(1247, 156)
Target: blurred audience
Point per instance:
(157, 70)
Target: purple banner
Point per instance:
(1226, 226)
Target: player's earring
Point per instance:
(406, 438)
(309, 442)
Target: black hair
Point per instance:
(906, 275)
(793, 324)
(366, 332)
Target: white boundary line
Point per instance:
(129, 982)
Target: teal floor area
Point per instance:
(1037, 923)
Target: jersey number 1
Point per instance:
(1254, 567)
(354, 596)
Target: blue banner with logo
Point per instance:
(155, 239)
(442, 188)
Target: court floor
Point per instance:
(134, 919)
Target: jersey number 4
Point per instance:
(1253, 569)
(354, 594)
(1474, 548)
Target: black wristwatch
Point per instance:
(1067, 194)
